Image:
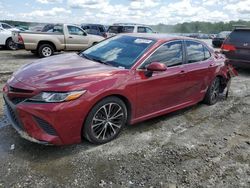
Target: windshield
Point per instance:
(223, 34)
(119, 51)
(121, 29)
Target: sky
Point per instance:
(129, 11)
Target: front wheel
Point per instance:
(213, 92)
(105, 121)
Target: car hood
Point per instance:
(67, 70)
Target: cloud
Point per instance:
(143, 4)
(92, 4)
(46, 13)
(239, 7)
(49, 1)
(135, 11)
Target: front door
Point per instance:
(162, 90)
(76, 39)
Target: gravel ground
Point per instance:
(201, 146)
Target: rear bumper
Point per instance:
(20, 46)
(239, 63)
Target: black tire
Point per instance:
(99, 128)
(10, 45)
(45, 50)
(213, 92)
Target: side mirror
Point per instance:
(156, 66)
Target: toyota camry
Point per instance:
(123, 80)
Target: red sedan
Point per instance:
(122, 80)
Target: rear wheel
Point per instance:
(213, 92)
(105, 121)
(10, 45)
(45, 50)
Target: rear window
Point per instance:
(239, 36)
(121, 29)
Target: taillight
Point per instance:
(228, 47)
(20, 39)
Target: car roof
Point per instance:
(241, 29)
(158, 36)
(91, 24)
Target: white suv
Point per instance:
(5, 36)
(128, 28)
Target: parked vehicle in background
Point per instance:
(48, 27)
(219, 39)
(36, 28)
(123, 80)
(5, 36)
(61, 38)
(128, 28)
(237, 48)
(95, 29)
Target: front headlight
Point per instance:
(51, 97)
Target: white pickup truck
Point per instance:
(61, 37)
(5, 36)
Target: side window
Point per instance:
(101, 29)
(5, 26)
(149, 30)
(171, 54)
(195, 52)
(141, 30)
(75, 31)
(207, 53)
(57, 29)
(128, 29)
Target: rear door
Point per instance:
(240, 40)
(199, 68)
(76, 38)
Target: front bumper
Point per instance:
(43, 123)
(20, 132)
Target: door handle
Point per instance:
(71, 37)
(182, 72)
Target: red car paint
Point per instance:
(164, 92)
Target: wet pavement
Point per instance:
(200, 146)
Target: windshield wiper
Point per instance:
(87, 57)
(96, 60)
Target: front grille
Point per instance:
(45, 126)
(13, 116)
(18, 90)
(18, 100)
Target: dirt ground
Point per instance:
(201, 146)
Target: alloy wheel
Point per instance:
(215, 90)
(107, 121)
